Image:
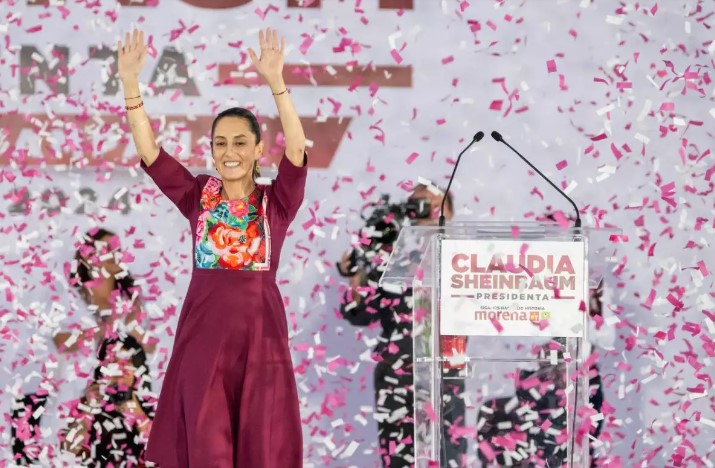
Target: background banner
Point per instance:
(613, 100)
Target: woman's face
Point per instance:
(126, 371)
(118, 369)
(103, 263)
(109, 254)
(234, 149)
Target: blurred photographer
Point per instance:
(365, 303)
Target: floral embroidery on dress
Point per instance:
(232, 234)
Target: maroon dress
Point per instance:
(229, 396)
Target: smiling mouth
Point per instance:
(231, 164)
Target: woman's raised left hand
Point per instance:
(270, 64)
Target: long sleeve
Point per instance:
(175, 181)
(288, 190)
(362, 313)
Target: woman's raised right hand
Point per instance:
(131, 56)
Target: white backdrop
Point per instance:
(614, 100)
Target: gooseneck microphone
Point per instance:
(497, 136)
(477, 136)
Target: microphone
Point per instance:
(477, 136)
(497, 136)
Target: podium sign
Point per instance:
(496, 287)
(520, 289)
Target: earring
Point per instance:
(256, 170)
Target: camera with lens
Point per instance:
(116, 396)
(383, 221)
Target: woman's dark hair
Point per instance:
(142, 380)
(241, 113)
(83, 276)
(121, 343)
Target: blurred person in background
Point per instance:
(109, 292)
(98, 275)
(109, 425)
(25, 430)
(108, 289)
(366, 304)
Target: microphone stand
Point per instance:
(443, 449)
(477, 137)
(497, 136)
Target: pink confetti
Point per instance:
(486, 449)
(667, 194)
(431, 415)
(615, 151)
(496, 105)
(703, 269)
(305, 45)
(497, 325)
(551, 66)
(562, 220)
(648, 304)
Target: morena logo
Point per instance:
(533, 316)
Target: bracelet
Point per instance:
(282, 92)
(141, 103)
(128, 98)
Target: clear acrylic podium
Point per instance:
(512, 329)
